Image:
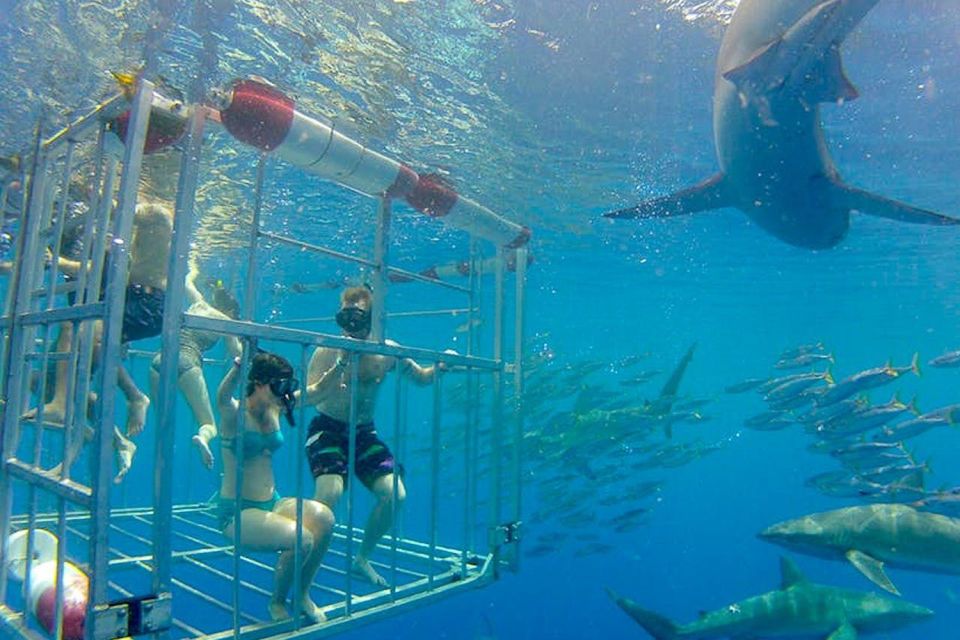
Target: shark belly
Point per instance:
(773, 153)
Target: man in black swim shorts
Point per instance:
(142, 314)
(327, 439)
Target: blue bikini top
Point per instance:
(256, 442)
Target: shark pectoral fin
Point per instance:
(876, 205)
(709, 194)
(846, 632)
(872, 569)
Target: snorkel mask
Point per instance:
(284, 388)
(355, 321)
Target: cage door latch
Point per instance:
(507, 533)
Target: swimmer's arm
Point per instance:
(227, 386)
(234, 348)
(419, 374)
(190, 285)
(314, 391)
(68, 266)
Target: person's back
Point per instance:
(150, 247)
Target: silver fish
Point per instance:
(867, 379)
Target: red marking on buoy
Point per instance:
(521, 239)
(406, 182)
(161, 131)
(258, 115)
(74, 611)
(432, 197)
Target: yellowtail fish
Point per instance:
(867, 379)
(949, 359)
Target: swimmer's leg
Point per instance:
(194, 389)
(381, 518)
(125, 450)
(137, 402)
(54, 410)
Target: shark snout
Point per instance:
(775, 533)
(882, 613)
(802, 534)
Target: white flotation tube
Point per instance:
(258, 114)
(42, 599)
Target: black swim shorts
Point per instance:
(142, 313)
(327, 447)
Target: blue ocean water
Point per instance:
(551, 113)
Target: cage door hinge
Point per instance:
(133, 617)
(506, 533)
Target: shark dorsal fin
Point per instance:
(845, 632)
(790, 573)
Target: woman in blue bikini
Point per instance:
(268, 522)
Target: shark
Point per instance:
(872, 536)
(778, 61)
(799, 609)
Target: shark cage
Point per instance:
(79, 562)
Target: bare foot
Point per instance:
(52, 414)
(125, 450)
(201, 441)
(137, 415)
(278, 610)
(362, 568)
(312, 611)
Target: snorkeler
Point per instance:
(142, 318)
(193, 344)
(268, 523)
(327, 439)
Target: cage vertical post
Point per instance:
(14, 350)
(517, 404)
(110, 347)
(497, 413)
(169, 363)
(381, 246)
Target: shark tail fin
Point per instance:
(709, 194)
(881, 207)
(658, 626)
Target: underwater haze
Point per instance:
(551, 113)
